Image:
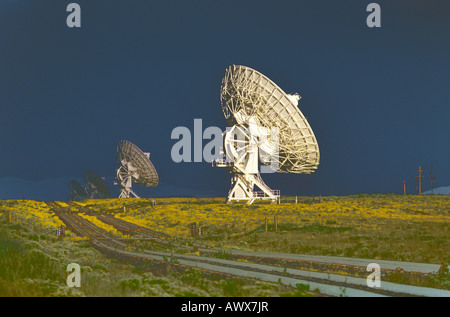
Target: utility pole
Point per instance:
(419, 175)
(431, 179)
(404, 187)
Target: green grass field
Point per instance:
(390, 227)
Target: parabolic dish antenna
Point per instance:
(135, 166)
(267, 127)
(96, 186)
(77, 191)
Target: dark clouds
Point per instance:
(377, 99)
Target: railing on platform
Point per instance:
(261, 194)
(221, 162)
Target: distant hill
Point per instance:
(48, 189)
(58, 189)
(443, 190)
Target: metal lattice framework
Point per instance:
(135, 166)
(247, 93)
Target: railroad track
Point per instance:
(326, 283)
(132, 229)
(82, 227)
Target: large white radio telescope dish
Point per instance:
(265, 126)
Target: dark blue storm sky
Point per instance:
(378, 99)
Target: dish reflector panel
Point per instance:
(247, 95)
(137, 163)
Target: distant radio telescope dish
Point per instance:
(96, 186)
(77, 191)
(265, 126)
(135, 166)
